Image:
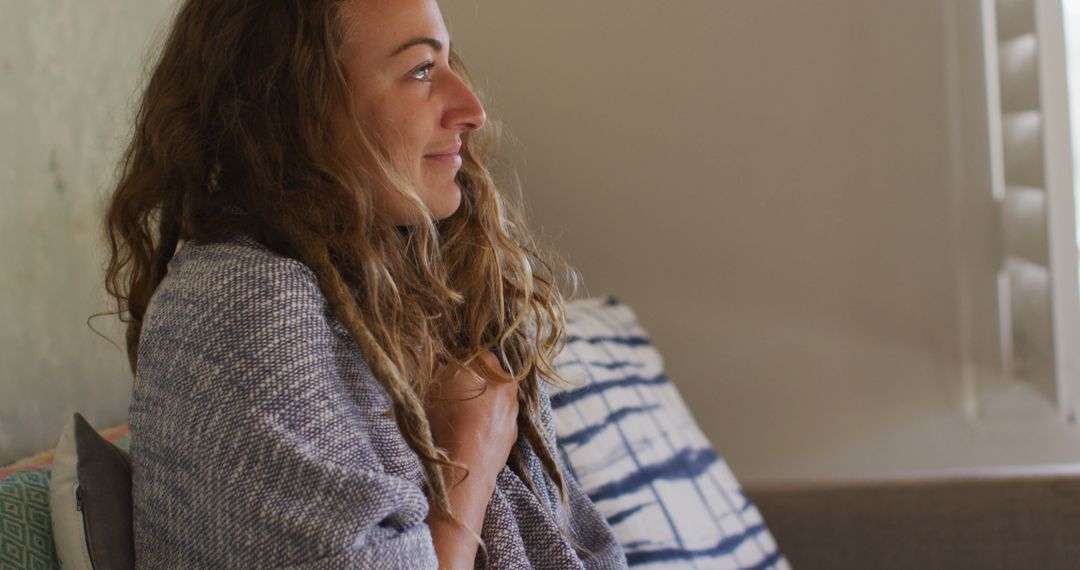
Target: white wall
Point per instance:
(778, 188)
(68, 73)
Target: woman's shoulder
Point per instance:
(235, 285)
(238, 260)
(238, 267)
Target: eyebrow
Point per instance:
(434, 43)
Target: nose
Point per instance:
(464, 111)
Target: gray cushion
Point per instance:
(90, 500)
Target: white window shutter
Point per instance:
(1030, 156)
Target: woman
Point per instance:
(317, 273)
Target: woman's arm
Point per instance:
(477, 424)
(454, 546)
(259, 438)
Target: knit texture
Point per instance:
(261, 439)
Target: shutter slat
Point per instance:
(1022, 140)
(1024, 214)
(1018, 63)
(1032, 340)
(1015, 18)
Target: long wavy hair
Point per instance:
(231, 135)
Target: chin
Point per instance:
(444, 206)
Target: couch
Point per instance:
(1016, 520)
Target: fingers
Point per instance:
(492, 365)
(497, 370)
(484, 371)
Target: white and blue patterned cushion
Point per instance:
(627, 436)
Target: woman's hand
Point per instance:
(473, 414)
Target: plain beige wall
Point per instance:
(783, 191)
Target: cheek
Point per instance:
(405, 142)
(401, 128)
(381, 119)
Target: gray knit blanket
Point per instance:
(261, 439)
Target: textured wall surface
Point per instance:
(68, 74)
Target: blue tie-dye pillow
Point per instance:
(628, 437)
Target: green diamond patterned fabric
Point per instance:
(25, 525)
(26, 541)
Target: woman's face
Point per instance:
(396, 60)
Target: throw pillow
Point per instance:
(26, 537)
(90, 500)
(628, 437)
(25, 529)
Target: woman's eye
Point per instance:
(423, 73)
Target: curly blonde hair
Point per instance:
(231, 136)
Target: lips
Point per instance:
(448, 152)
